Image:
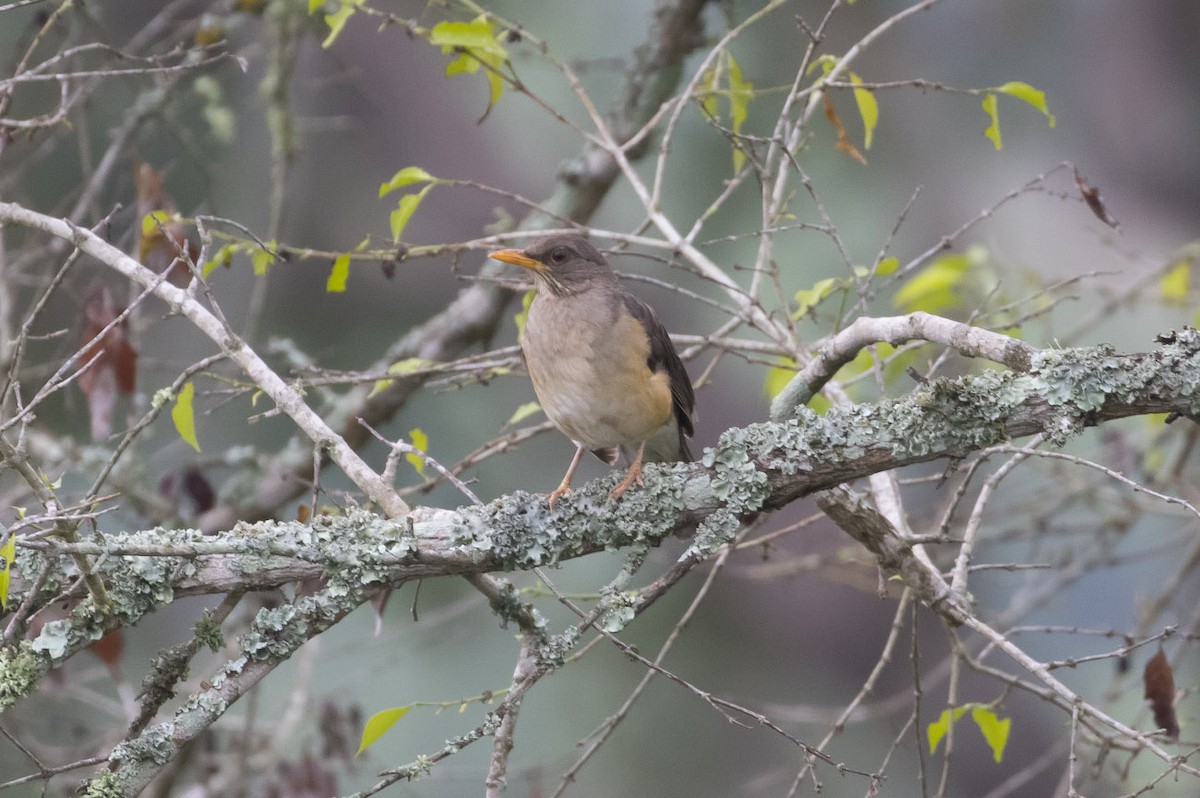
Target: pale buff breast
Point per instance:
(598, 399)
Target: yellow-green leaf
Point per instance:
(778, 376)
(263, 257)
(404, 211)
(938, 729)
(523, 412)
(315, 5)
(406, 176)
(711, 81)
(1175, 283)
(740, 93)
(184, 415)
(410, 364)
(993, 129)
(865, 360)
(941, 727)
(868, 109)
(401, 367)
(223, 257)
(337, 20)
(809, 298)
(477, 36)
(1035, 97)
(377, 726)
(476, 43)
(934, 288)
(994, 729)
(339, 274)
(152, 221)
(520, 318)
(819, 404)
(887, 266)
(420, 441)
(825, 63)
(7, 554)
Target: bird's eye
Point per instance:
(558, 255)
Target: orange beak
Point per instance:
(517, 258)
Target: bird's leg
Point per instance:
(564, 487)
(634, 475)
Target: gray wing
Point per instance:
(664, 357)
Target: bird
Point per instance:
(602, 364)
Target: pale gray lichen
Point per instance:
(21, 667)
(619, 609)
(155, 745)
(105, 784)
(207, 703)
(552, 653)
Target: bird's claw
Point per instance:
(553, 496)
(634, 475)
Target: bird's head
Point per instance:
(565, 264)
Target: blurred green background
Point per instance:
(775, 634)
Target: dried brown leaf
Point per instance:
(843, 140)
(1160, 692)
(1091, 195)
(115, 368)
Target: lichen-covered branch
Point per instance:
(842, 347)
(760, 467)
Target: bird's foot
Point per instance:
(553, 496)
(634, 475)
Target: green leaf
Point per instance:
(377, 726)
(934, 288)
(778, 376)
(405, 177)
(993, 129)
(937, 730)
(868, 109)
(263, 257)
(809, 298)
(476, 44)
(520, 318)
(223, 257)
(478, 36)
(7, 554)
(315, 5)
(404, 211)
(410, 364)
(419, 441)
(401, 367)
(1023, 91)
(825, 63)
(819, 404)
(887, 266)
(337, 20)
(865, 360)
(336, 283)
(711, 81)
(941, 727)
(184, 415)
(740, 93)
(995, 730)
(523, 412)
(152, 221)
(1175, 283)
